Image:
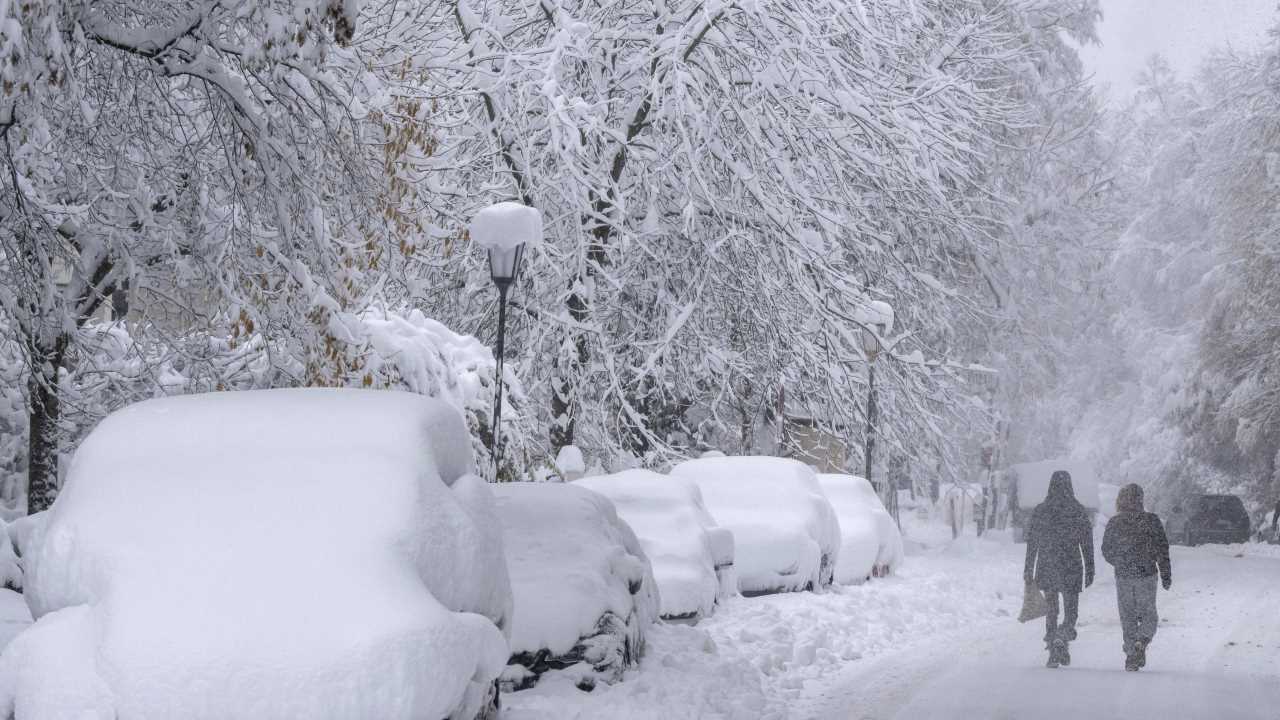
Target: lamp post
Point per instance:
(876, 320)
(503, 230)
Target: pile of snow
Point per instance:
(1032, 481)
(310, 553)
(682, 542)
(570, 463)
(781, 656)
(584, 590)
(785, 531)
(891, 552)
(860, 542)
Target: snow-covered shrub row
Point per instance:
(684, 545)
(786, 534)
(285, 553)
(406, 350)
(584, 591)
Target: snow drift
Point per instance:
(584, 590)
(677, 534)
(785, 531)
(269, 554)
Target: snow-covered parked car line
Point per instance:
(786, 535)
(859, 530)
(689, 553)
(891, 551)
(269, 554)
(584, 590)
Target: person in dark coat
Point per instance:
(1060, 561)
(1136, 546)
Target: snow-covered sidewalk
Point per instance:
(1216, 655)
(768, 657)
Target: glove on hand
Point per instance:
(1167, 581)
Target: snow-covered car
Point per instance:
(310, 553)
(689, 553)
(890, 550)
(785, 532)
(584, 590)
(859, 527)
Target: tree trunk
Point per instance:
(45, 413)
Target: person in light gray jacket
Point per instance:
(1136, 546)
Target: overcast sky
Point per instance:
(1181, 30)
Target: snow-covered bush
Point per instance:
(682, 542)
(859, 529)
(406, 350)
(785, 532)
(584, 590)
(311, 553)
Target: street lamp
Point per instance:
(503, 230)
(876, 320)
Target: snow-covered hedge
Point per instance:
(406, 350)
(271, 554)
(859, 529)
(677, 533)
(584, 590)
(785, 531)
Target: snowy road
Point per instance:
(1217, 655)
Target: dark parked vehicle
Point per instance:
(1209, 519)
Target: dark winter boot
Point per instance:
(1061, 651)
(1130, 663)
(1140, 654)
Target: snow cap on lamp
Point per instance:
(503, 229)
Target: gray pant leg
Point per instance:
(1145, 597)
(1128, 615)
(1136, 597)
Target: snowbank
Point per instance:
(785, 531)
(676, 533)
(284, 553)
(584, 590)
(859, 529)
